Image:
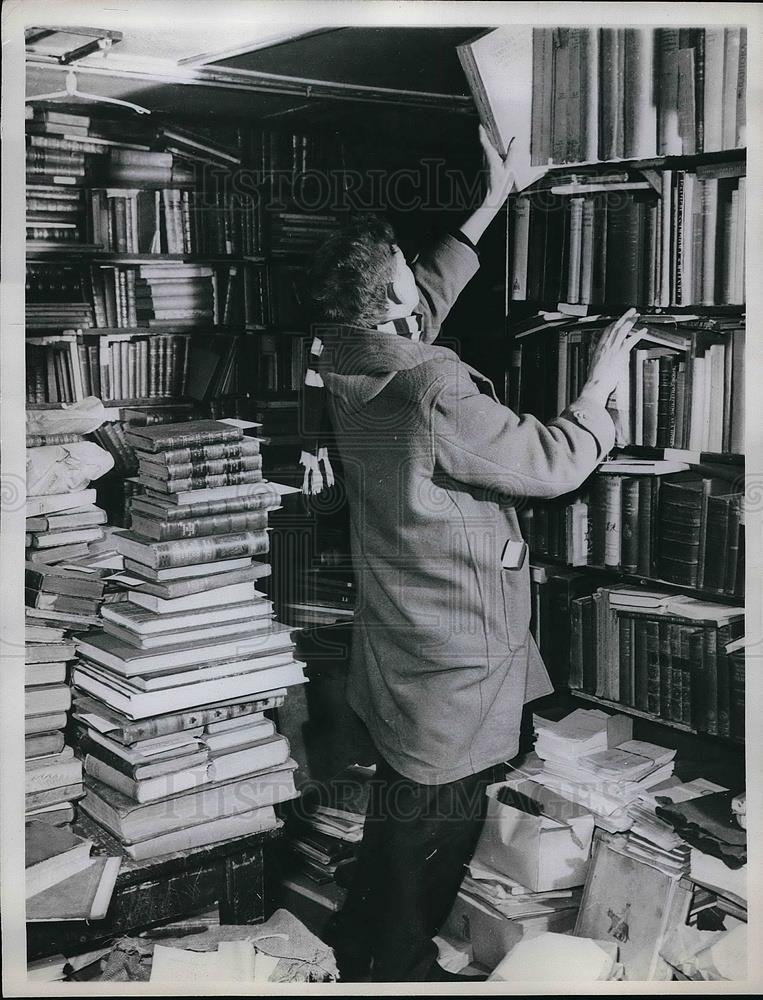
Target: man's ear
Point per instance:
(392, 294)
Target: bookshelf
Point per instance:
(643, 205)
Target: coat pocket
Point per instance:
(515, 585)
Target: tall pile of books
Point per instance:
(170, 694)
(61, 601)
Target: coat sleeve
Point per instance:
(479, 442)
(441, 274)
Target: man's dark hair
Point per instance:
(351, 270)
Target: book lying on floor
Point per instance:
(52, 855)
(83, 896)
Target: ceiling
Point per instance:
(311, 75)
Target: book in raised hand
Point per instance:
(499, 70)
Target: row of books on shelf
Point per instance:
(166, 294)
(609, 93)
(685, 244)
(670, 656)
(64, 368)
(684, 529)
(111, 165)
(284, 156)
(174, 221)
(673, 663)
(684, 387)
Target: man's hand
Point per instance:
(609, 361)
(499, 184)
(500, 173)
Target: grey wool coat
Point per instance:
(434, 469)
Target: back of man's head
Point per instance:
(351, 273)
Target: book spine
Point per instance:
(630, 525)
(641, 659)
(200, 526)
(613, 521)
(187, 552)
(653, 667)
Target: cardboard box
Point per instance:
(541, 852)
(492, 936)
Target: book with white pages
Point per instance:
(142, 620)
(126, 659)
(239, 737)
(268, 753)
(253, 624)
(173, 678)
(137, 704)
(180, 572)
(206, 599)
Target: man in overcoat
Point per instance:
(434, 467)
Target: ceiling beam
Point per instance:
(253, 81)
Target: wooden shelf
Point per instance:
(651, 581)
(682, 455)
(605, 310)
(674, 162)
(617, 706)
(627, 710)
(98, 255)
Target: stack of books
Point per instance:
(53, 779)
(54, 213)
(59, 315)
(502, 898)
(61, 600)
(176, 750)
(61, 162)
(661, 654)
(328, 824)
(133, 168)
(651, 839)
(174, 293)
(62, 880)
(61, 527)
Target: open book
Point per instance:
(499, 69)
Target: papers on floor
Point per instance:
(234, 961)
(559, 957)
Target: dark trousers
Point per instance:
(416, 841)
